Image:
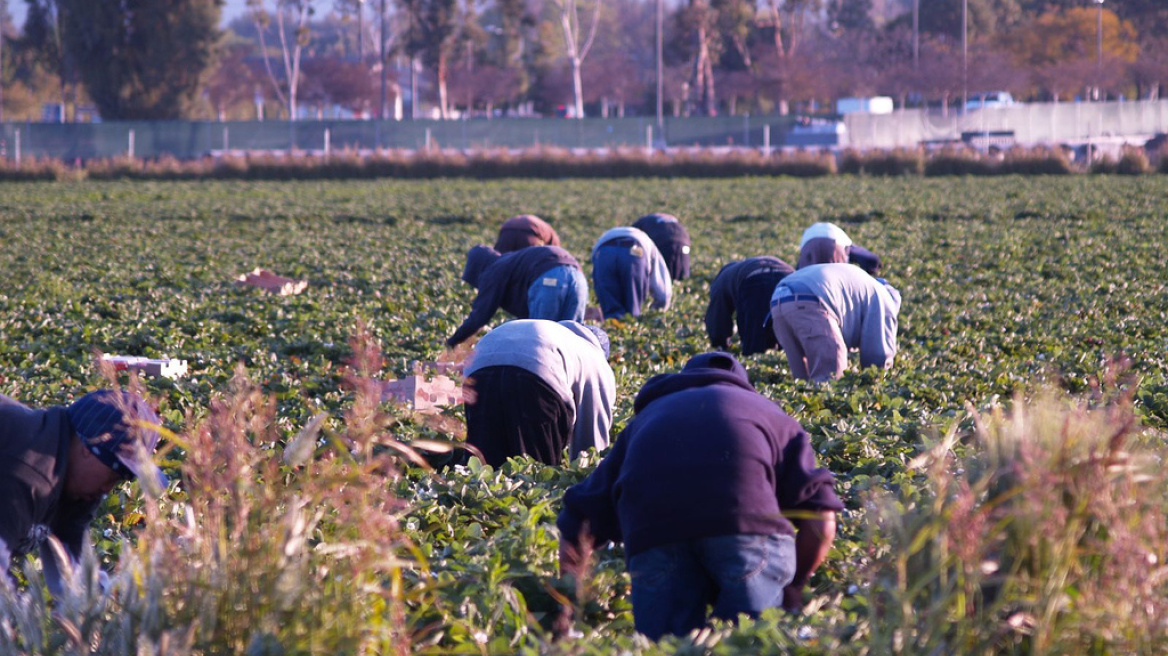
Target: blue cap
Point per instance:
(111, 423)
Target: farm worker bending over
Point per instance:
(671, 239)
(57, 464)
(525, 230)
(821, 311)
(825, 243)
(626, 268)
(744, 287)
(714, 491)
(540, 282)
(536, 387)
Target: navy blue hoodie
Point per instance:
(742, 288)
(503, 281)
(705, 455)
(671, 238)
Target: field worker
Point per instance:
(821, 311)
(536, 387)
(525, 230)
(715, 493)
(671, 239)
(57, 464)
(744, 288)
(539, 282)
(627, 268)
(826, 242)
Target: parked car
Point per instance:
(989, 99)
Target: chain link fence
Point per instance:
(187, 140)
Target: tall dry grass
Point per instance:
(1050, 538)
(264, 548)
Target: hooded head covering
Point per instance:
(715, 360)
(477, 260)
(591, 333)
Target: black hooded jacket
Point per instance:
(744, 288)
(503, 281)
(705, 455)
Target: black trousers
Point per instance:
(516, 413)
(752, 302)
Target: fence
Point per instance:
(1037, 123)
(186, 140)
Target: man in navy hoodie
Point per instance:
(538, 282)
(714, 491)
(744, 288)
(671, 239)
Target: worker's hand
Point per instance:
(793, 598)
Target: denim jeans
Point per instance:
(621, 278)
(559, 294)
(674, 584)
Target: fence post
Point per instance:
(427, 139)
(746, 130)
(225, 131)
(16, 147)
(130, 145)
(766, 140)
(648, 137)
(327, 143)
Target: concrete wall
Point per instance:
(1032, 123)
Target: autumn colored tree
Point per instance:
(1063, 46)
(336, 81)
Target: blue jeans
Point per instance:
(558, 294)
(673, 584)
(621, 279)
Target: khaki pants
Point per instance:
(812, 340)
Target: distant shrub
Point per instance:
(1036, 161)
(1132, 161)
(38, 169)
(895, 162)
(959, 161)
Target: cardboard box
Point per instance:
(271, 282)
(164, 368)
(421, 394)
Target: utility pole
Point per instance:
(384, 64)
(916, 34)
(660, 68)
(964, 54)
(1099, 60)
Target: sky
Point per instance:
(231, 9)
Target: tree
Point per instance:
(231, 86)
(292, 30)
(432, 36)
(851, 15)
(335, 81)
(576, 50)
(142, 59)
(43, 31)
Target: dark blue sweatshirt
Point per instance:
(671, 238)
(704, 456)
(742, 288)
(503, 281)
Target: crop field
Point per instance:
(1047, 287)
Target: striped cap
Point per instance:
(111, 424)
